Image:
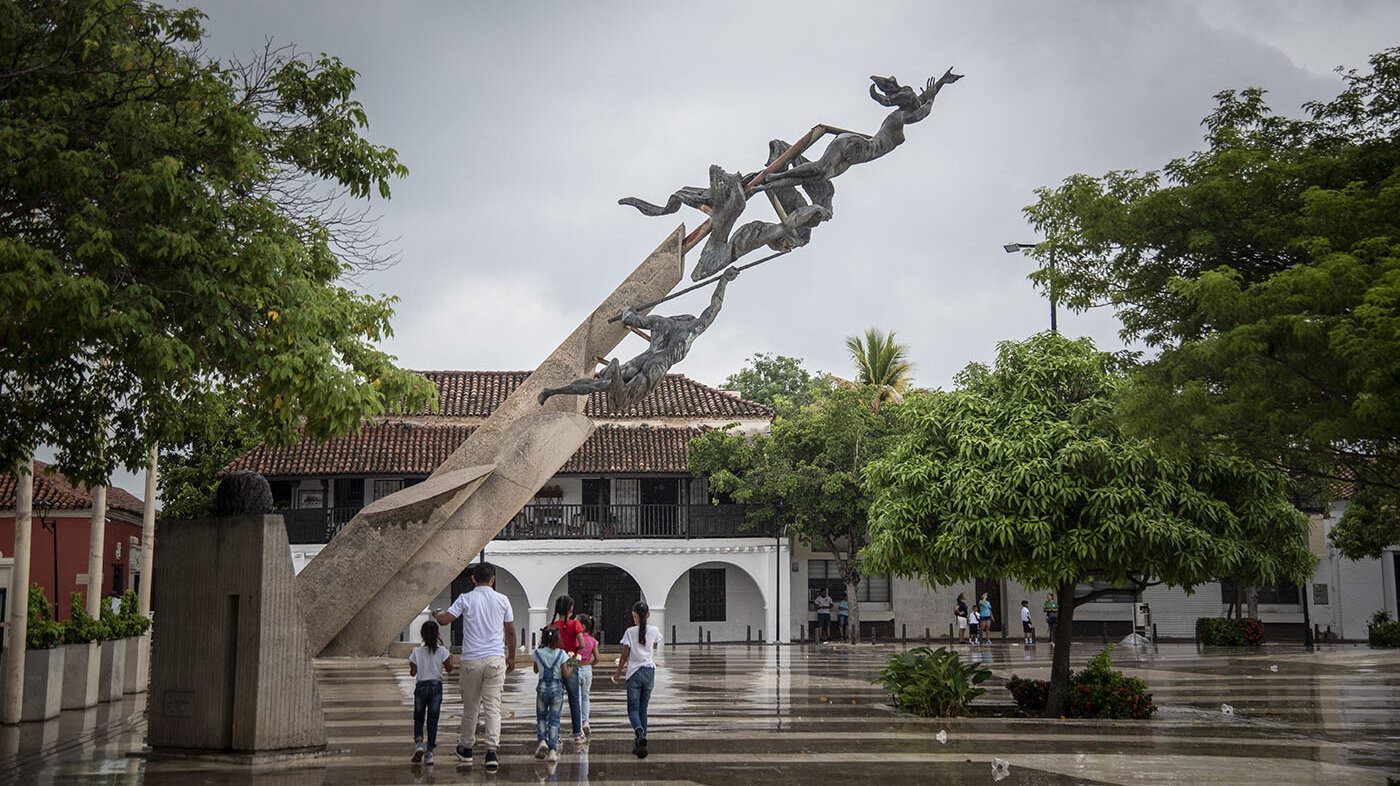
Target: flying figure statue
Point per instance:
(847, 150)
(671, 338)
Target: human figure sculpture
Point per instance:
(671, 338)
(847, 150)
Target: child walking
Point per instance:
(552, 664)
(638, 660)
(1026, 627)
(427, 663)
(587, 654)
(569, 630)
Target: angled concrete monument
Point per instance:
(388, 564)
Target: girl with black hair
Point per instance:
(639, 645)
(427, 663)
(569, 631)
(552, 664)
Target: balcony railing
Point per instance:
(534, 522)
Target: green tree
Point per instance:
(806, 474)
(174, 229)
(766, 377)
(1021, 472)
(1266, 270)
(882, 364)
(190, 468)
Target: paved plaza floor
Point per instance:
(724, 715)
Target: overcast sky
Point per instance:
(522, 123)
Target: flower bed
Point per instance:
(1224, 632)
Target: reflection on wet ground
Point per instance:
(724, 715)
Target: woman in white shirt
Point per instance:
(638, 666)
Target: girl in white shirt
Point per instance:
(639, 645)
(427, 663)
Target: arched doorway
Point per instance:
(607, 593)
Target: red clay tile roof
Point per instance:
(50, 486)
(408, 449)
(478, 393)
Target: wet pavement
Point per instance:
(733, 714)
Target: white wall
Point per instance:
(745, 609)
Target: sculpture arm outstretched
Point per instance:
(707, 317)
(631, 318)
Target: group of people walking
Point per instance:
(564, 662)
(973, 623)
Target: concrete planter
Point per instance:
(113, 670)
(138, 651)
(43, 684)
(81, 664)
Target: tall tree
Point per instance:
(1266, 270)
(806, 474)
(174, 230)
(881, 364)
(766, 377)
(1021, 472)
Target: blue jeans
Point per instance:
(639, 687)
(549, 698)
(575, 713)
(585, 687)
(427, 701)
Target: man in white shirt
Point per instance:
(488, 652)
(823, 604)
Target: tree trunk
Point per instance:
(1251, 599)
(1058, 697)
(853, 634)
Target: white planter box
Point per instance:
(113, 670)
(43, 684)
(138, 650)
(81, 665)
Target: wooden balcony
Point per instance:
(546, 521)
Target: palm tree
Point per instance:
(881, 363)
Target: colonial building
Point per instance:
(623, 520)
(60, 540)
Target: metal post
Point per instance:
(709, 637)
(1105, 632)
(699, 634)
(748, 633)
(903, 634)
(673, 635)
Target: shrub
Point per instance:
(43, 632)
(126, 622)
(1225, 632)
(1030, 695)
(1097, 691)
(81, 627)
(932, 682)
(1386, 634)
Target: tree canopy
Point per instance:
(175, 230)
(766, 377)
(806, 473)
(1266, 270)
(1022, 472)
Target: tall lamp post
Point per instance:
(1013, 248)
(41, 510)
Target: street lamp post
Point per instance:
(41, 508)
(1012, 248)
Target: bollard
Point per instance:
(699, 634)
(709, 636)
(748, 633)
(801, 634)
(903, 634)
(1003, 631)
(872, 634)
(673, 635)
(760, 635)
(1154, 633)
(1105, 633)
(532, 640)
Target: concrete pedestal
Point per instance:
(43, 684)
(230, 670)
(138, 653)
(112, 671)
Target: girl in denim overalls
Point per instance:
(552, 664)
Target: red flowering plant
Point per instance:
(1225, 632)
(1097, 691)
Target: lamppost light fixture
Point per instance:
(1012, 248)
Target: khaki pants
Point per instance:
(482, 680)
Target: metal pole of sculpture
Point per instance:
(422, 538)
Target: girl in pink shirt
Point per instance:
(587, 653)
